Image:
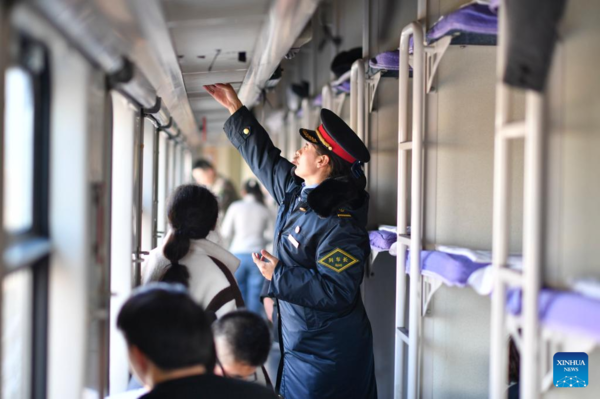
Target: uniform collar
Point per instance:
(306, 189)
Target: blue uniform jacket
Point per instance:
(322, 246)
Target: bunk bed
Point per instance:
(568, 312)
(451, 265)
(428, 270)
(547, 318)
(472, 24)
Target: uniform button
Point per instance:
(297, 229)
(246, 131)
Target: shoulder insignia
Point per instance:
(338, 260)
(344, 215)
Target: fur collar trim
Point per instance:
(332, 194)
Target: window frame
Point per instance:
(32, 248)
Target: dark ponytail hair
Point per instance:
(192, 213)
(252, 187)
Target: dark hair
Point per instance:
(252, 187)
(339, 167)
(247, 334)
(203, 164)
(167, 326)
(342, 169)
(192, 213)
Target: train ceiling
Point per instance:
(180, 45)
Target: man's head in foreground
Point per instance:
(167, 333)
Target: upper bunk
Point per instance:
(474, 23)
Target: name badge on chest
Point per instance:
(294, 242)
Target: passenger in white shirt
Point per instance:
(248, 225)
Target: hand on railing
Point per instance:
(225, 95)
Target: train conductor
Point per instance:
(321, 247)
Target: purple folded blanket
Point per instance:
(472, 18)
(564, 311)
(453, 270)
(382, 240)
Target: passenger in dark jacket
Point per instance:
(171, 347)
(321, 248)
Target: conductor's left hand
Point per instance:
(266, 267)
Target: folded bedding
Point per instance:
(472, 18)
(382, 240)
(474, 23)
(563, 311)
(453, 270)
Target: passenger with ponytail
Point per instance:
(189, 258)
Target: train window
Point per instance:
(179, 164)
(187, 166)
(18, 151)
(25, 221)
(171, 167)
(16, 322)
(148, 185)
(163, 159)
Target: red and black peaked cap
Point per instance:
(335, 135)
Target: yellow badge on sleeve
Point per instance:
(338, 260)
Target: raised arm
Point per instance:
(253, 143)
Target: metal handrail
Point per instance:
(415, 30)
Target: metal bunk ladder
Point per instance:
(529, 280)
(411, 335)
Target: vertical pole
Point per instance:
(155, 169)
(415, 290)
(498, 350)
(138, 187)
(415, 297)
(353, 97)
(532, 244)
(4, 30)
(402, 224)
(327, 97)
(357, 98)
(422, 12)
(366, 37)
(106, 275)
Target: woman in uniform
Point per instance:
(321, 247)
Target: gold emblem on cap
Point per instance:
(325, 143)
(246, 131)
(308, 137)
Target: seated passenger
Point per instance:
(243, 342)
(187, 257)
(171, 347)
